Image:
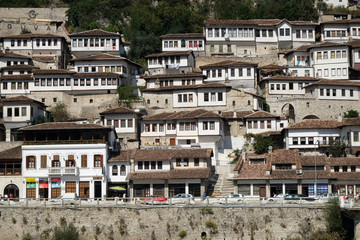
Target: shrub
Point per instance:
(27, 236)
(66, 232)
(182, 234)
(13, 220)
(333, 218)
(206, 210)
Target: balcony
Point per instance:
(63, 171)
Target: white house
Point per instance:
(185, 128)
(125, 122)
(38, 45)
(118, 169)
(340, 31)
(169, 172)
(261, 122)
(8, 58)
(19, 112)
(66, 157)
(237, 74)
(108, 63)
(171, 62)
(184, 42)
(16, 79)
(255, 36)
(96, 41)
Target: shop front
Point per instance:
(30, 188)
(55, 187)
(43, 188)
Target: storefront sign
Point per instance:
(97, 178)
(56, 185)
(55, 180)
(30, 185)
(30, 180)
(43, 184)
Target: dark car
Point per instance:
(298, 197)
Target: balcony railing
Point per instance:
(64, 171)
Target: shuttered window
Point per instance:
(98, 160)
(43, 161)
(84, 161)
(30, 162)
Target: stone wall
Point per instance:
(164, 223)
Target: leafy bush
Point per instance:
(206, 210)
(333, 218)
(182, 234)
(66, 232)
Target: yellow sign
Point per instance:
(30, 180)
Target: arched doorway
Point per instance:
(288, 110)
(12, 191)
(311, 117)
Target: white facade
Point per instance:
(93, 173)
(183, 42)
(171, 62)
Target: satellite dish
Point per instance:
(226, 35)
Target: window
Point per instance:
(328, 92)
(17, 112)
(98, 160)
(196, 162)
(114, 170)
(271, 33)
(351, 93)
(287, 32)
(23, 111)
(248, 72)
(206, 97)
(353, 168)
(240, 72)
(298, 34)
(122, 170)
(302, 140)
(212, 125)
(291, 86)
(281, 32)
(268, 124)
(9, 112)
(154, 127)
(30, 162)
(84, 161)
(295, 141)
(356, 136)
(311, 140)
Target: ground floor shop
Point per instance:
(167, 188)
(262, 188)
(44, 188)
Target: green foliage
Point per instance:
(337, 148)
(236, 154)
(25, 31)
(351, 114)
(27, 236)
(212, 225)
(333, 218)
(182, 234)
(65, 232)
(261, 144)
(59, 113)
(206, 211)
(323, 235)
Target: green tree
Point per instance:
(236, 154)
(337, 148)
(333, 218)
(351, 114)
(261, 144)
(59, 113)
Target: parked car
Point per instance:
(154, 198)
(69, 198)
(277, 198)
(325, 197)
(182, 198)
(231, 198)
(298, 197)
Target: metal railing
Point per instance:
(63, 171)
(171, 202)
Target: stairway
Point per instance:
(218, 184)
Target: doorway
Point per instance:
(12, 191)
(97, 187)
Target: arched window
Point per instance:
(114, 170)
(122, 170)
(183, 43)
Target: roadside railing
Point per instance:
(170, 202)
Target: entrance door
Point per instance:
(55, 192)
(12, 191)
(97, 187)
(262, 191)
(172, 142)
(44, 192)
(305, 190)
(70, 187)
(84, 189)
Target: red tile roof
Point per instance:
(119, 110)
(315, 124)
(173, 53)
(190, 173)
(20, 99)
(53, 72)
(228, 63)
(99, 57)
(95, 32)
(257, 22)
(182, 35)
(260, 114)
(63, 126)
(198, 86)
(12, 153)
(168, 154)
(13, 55)
(96, 75)
(237, 115)
(290, 78)
(17, 77)
(44, 59)
(327, 82)
(20, 67)
(32, 35)
(196, 114)
(176, 75)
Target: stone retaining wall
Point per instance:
(164, 223)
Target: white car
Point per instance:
(277, 198)
(182, 198)
(231, 198)
(326, 197)
(69, 198)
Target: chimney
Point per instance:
(339, 118)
